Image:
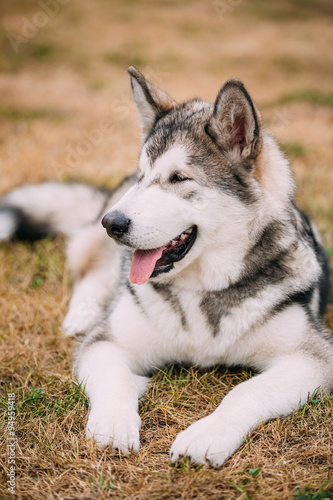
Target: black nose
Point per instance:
(116, 224)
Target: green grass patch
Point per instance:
(97, 85)
(311, 96)
(255, 472)
(306, 493)
(42, 51)
(16, 114)
(289, 11)
(189, 29)
(125, 58)
(294, 149)
(15, 56)
(38, 403)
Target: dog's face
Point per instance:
(196, 190)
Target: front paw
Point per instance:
(207, 442)
(120, 430)
(78, 321)
(81, 316)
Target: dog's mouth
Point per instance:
(150, 263)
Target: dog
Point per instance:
(209, 262)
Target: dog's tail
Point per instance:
(33, 211)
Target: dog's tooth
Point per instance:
(183, 236)
(173, 243)
(189, 231)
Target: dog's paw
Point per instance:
(120, 430)
(77, 322)
(69, 327)
(206, 442)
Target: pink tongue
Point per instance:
(143, 264)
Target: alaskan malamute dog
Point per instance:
(209, 262)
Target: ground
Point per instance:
(62, 74)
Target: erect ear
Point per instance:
(150, 101)
(236, 124)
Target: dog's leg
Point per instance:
(89, 297)
(95, 263)
(113, 390)
(284, 387)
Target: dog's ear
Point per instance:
(236, 124)
(150, 101)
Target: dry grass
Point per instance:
(66, 80)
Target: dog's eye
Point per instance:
(177, 177)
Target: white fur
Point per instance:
(113, 390)
(220, 216)
(65, 207)
(7, 225)
(285, 386)
(141, 341)
(89, 296)
(289, 377)
(95, 264)
(175, 158)
(146, 111)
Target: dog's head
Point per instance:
(198, 180)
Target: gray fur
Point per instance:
(165, 290)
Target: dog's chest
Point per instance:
(188, 326)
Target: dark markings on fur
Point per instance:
(241, 184)
(210, 166)
(155, 182)
(190, 195)
(319, 352)
(125, 270)
(239, 180)
(26, 228)
(266, 258)
(324, 284)
(134, 294)
(212, 305)
(176, 126)
(266, 265)
(306, 231)
(312, 344)
(125, 264)
(169, 296)
(302, 298)
(99, 337)
(186, 195)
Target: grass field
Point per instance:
(62, 73)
